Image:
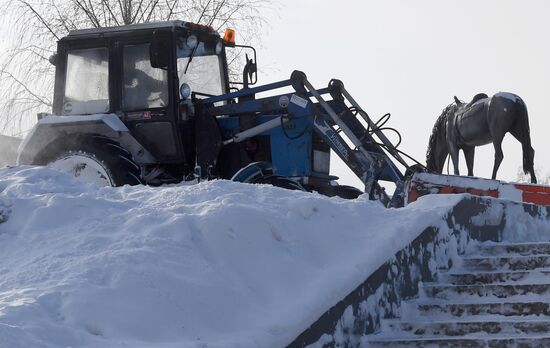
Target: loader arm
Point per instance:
(329, 112)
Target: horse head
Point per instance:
(437, 145)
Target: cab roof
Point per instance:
(138, 27)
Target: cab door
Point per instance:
(145, 97)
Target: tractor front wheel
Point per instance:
(262, 173)
(342, 191)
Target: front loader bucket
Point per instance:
(8, 150)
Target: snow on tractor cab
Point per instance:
(152, 103)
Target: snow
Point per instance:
(507, 191)
(489, 217)
(511, 193)
(518, 228)
(218, 264)
(458, 181)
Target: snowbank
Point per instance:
(219, 264)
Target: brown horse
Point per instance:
(484, 120)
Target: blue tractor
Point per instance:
(153, 104)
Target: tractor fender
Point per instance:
(54, 128)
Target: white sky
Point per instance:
(411, 57)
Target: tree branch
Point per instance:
(84, 7)
(171, 9)
(155, 3)
(137, 11)
(26, 77)
(110, 11)
(42, 100)
(46, 25)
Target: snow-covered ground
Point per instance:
(219, 264)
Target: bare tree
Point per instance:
(525, 178)
(26, 76)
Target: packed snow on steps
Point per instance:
(218, 264)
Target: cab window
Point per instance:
(200, 66)
(87, 82)
(144, 87)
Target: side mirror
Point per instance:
(250, 70)
(159, 52)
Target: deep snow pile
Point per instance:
(218, 264)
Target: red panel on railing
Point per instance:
(423, 184)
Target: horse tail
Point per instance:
(521, 128)
(431, 155)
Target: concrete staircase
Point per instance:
(498, 297)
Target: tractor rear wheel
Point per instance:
(93, 158)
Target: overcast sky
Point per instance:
(411, 57)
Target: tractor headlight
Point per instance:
(185, 91)
(219, 47)
(192, 41)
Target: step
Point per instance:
(469, 327)
(503, 263)
(524, 249)
(491, 277)
(471, 342)
(498, 296)
(476, 291)
(499, 308)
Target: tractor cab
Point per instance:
(146, 78)
(137, 72)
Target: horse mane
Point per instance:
(439, 126)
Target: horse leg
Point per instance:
(499, 155)
(528, 153)
(453, 151)
(469, 152)
(530, 165)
